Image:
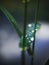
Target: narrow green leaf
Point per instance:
(11, 20)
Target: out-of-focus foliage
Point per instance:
(23, 1)
(11, 20)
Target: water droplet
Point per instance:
(32, 39)
(36, 29)
(29, 25)
(32, 31)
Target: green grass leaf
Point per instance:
(11, 20)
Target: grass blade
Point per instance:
(11, 20)
(24, 33)
(36, 17)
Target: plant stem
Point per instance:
(36, 17)
(25, 22)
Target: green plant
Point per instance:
(27, 37)
(29, 30)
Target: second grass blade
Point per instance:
(11, 20)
